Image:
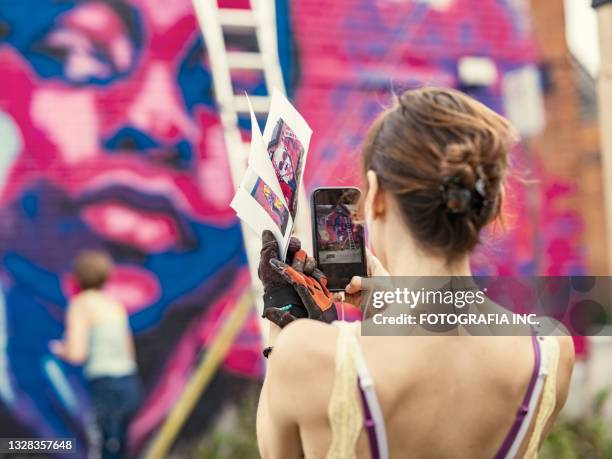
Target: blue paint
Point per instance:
(195, 80)
(129, 135)
(29, 204)
(30, 23)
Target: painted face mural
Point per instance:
(109, 138)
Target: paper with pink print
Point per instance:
(267, 197)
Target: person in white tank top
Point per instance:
(98, 336)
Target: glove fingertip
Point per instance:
(281, 269)
(310, 265)
(277, 264)
(294, 244)
(280, 318)
(267, 236)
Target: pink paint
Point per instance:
(53, 112)
(64, 127)
(135, 287)
(149, 231)
(158, 109)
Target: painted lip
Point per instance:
(182, 191)
(127, 216)
(136, 288)
(146, 222)
(148, 231)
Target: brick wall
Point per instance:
(569, 146)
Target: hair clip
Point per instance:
(456, 195)
(480, 185)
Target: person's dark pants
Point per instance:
(115, 400)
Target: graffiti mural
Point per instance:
(110, 138)
(352, 56)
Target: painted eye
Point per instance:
(83, 58)
(92, 43)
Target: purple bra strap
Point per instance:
(369, 425)
(524, 408)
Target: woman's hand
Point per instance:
(311, 286)
(57, 348)
(358, 285)
(295, 290)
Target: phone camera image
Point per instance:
(338, 235)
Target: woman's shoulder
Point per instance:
(80, 302)
(304, 346)
(307, 336)
(95, 304)
(301, 368)
(89, 295)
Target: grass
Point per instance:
(588, 437)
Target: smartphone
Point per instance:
(337, 235)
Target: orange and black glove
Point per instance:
(295, 290)
(311, 286)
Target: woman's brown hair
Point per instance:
(92, 268)
(444, 157)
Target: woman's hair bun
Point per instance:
(458, 197)
(444, 156)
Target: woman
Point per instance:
(98, 335)
(435, 166)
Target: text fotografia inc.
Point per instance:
(455, 319)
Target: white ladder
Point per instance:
(260, 21)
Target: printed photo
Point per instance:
(287, 156)
(271, 203)
(338, 235)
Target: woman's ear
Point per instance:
(375, 200)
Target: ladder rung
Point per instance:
(261, 104)
(244, 60)
(236, 17)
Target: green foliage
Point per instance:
(589, 437)
(240, 442)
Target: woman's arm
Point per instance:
(301, 288)
(277, 429)
(74, 346)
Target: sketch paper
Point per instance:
(267, 197)
(261, 209)
(287, 136)
(259, 161)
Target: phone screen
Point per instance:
(338, 238)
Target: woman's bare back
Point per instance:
(441, 396)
